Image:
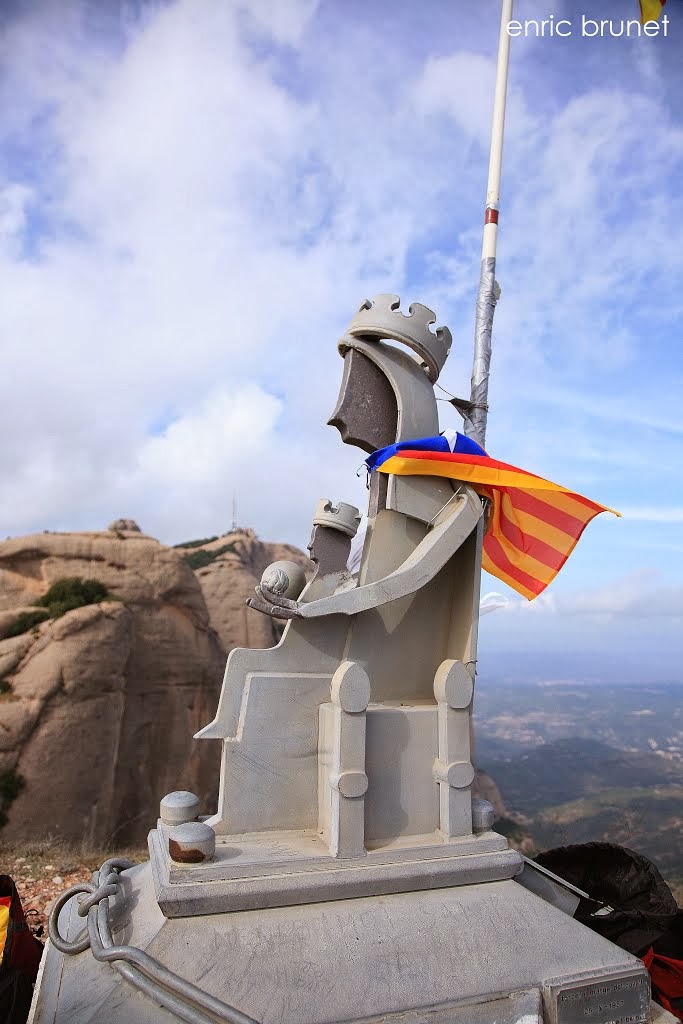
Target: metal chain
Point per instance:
(182, 998)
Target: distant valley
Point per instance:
(577, 763)
(512, 718)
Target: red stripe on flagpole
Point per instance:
(491, 216)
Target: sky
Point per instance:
(195, 197)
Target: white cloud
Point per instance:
(492, 602)
(437, 92)
(512, 604)
(653, 513)
(209, 194)
(284, 22)
(14, 200)
(196, 450)
(639, 594)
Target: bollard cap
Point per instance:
(191, 843)
(178, 807)
(483, 815)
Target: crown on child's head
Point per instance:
(381, 318)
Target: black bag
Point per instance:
(20, 953)
(641, 905)
(16, 993)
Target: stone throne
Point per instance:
(346, 748)
(344, 876)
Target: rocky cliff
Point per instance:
(99, 703)
(228, 569)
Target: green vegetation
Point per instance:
(576, 768)
(11, 785)
(196, 543)
(64, 595)
(509, 828)
(577, 762)
(198, 559)
(71, 592)
(669, 799)
(644, 819)
(26, 621)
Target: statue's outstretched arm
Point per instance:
(451, 528)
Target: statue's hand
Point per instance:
(275, 605)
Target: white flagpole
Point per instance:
(487, 296)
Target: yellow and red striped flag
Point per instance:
(534, 524)
(650, 10)
(4, 921)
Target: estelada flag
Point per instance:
(534, 524)
(650, 10)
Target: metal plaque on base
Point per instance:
(614, 998)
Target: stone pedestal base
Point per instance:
(472, 954)
(274, 869)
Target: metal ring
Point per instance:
(63, 945)
(99, 894)
(115, 864)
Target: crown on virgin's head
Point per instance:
(381, 318)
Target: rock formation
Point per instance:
(99, 706)
(124, 526)
(485, 788)
(237, 562)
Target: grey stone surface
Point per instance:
(284, 577)
(272, 869)
(381, 317)
(191, 843)
(353, 734)
(347, 960)
(483, 815)
(178, 807)
(347, 882)
(515, 1008)
(549, 887)
(403, 798)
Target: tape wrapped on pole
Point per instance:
(487, 295)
